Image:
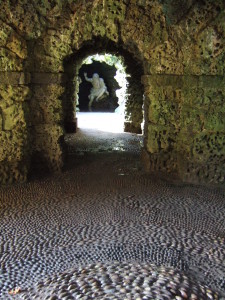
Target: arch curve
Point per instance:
(133, 67)
(178, 48)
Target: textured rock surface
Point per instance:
(91, 233)
(194, 139)
(180, 42)
(14, 134)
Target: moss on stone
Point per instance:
(46, 143)
(9, 61)
(46, 107)
(5, 31)
(17, 45)
(180, 48)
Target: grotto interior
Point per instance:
(173, 52)
(107, 72)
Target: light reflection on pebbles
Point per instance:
(126, 237)
(119, 281)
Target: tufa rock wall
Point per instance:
(14, 134)
(14, 106)
(46, 112)
(186, 126)
(176, 46)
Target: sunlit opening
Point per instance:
(107, 122)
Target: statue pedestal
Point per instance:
(106, 104)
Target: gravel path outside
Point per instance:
(103, 229)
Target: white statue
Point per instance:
(98, 90)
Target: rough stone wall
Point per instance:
(14, 136)
(180, 46)
(185, 98)
(133, 105)
(186, 126)
(14, 107)
(46, 112)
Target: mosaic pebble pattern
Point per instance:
(104, 230)
(120, 281)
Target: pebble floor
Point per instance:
(103, 229)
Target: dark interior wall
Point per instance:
(135, 99)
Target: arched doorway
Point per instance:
(181, 67)
(133, 113)
(134, 91)
(108, 112)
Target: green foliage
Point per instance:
(109, 59)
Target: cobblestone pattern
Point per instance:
(105, 230)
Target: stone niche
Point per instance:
(107, 72)
(174, 51)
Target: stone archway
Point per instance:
(135, 91)
(182, 52)
(54, 95)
